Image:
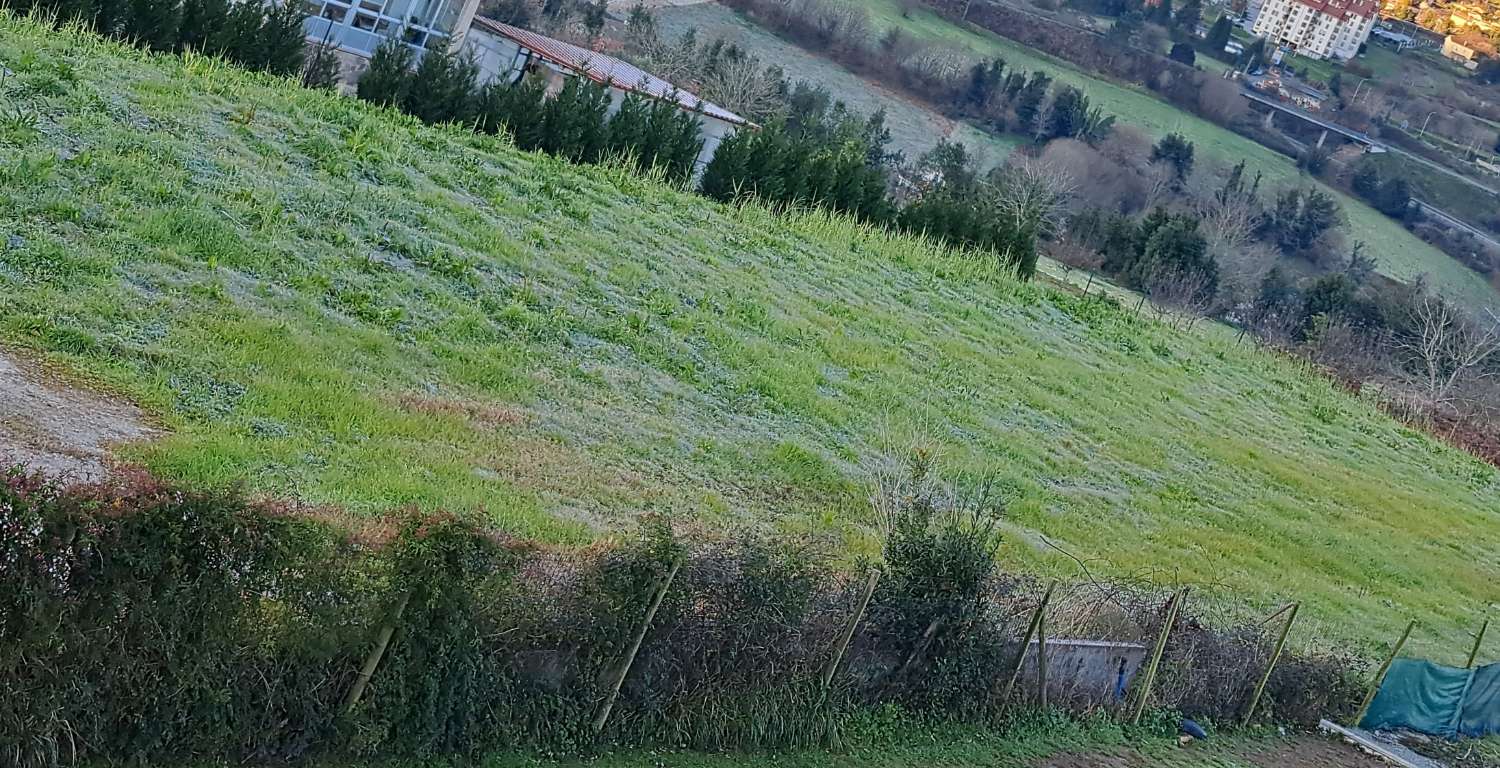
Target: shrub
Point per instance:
(138, 621)
(387, 79)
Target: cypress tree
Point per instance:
(686, 146)
(388, 78)
(1218, 36)
(202, 22)
(442, 88)
(321, 69)
(729, 171)
(627, 129)
(1029, 100)
(280, 42)
(153, 23)
(238, 39)
(524, 108)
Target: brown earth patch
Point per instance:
(65, 430)
(1299, 752)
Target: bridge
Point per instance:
(1358, 137)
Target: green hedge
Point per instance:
(142, 621)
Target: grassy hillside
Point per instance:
(1400, 254)
(320, 299)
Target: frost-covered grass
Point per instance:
(327, 301)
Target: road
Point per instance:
(1440, 215)
(1361, 138)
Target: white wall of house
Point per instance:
(358, 27)
(1313, 33)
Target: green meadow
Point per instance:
(322, 300)
(1400, 254)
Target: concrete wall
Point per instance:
(1083, 673)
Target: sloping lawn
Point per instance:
(323, 300)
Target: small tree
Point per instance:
(154, 23)
(1176, 152)
(202, 23)
(1183, 53)
(321, 67)
(1219, 36)
(442, 88)
(388, 78)
(1448, 348)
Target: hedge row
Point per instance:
(139, 620)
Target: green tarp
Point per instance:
(1442, 701)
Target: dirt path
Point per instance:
(58, 428)
(1301, 752)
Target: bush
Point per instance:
(141, 621)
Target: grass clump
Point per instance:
(331, 302)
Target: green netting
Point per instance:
(1481, 710)
(1419, 695)
(1432, 698)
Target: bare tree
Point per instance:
(743, 87)
(1228, 216)
(1188, 292)
(1032, 193)
(1158, 178)
(1449, 348)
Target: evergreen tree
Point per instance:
(280, 42)
(1177, 152)
(1188, 17)
(1183, 53)
(627, 129)
(1253, 55)
(1300, 217)
(1219, 36)
(442, 88)
(202, 22)
(573, 122)
(1161, 13)
(1366, 181)
(239, 37)
(153, 24)
(1029, 100)
(388, 77)
(729, 171)
(321, 67)
(1069, 115)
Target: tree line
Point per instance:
(577, 123)
(264, 37)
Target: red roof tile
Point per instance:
(606, 69)
(1342, 9)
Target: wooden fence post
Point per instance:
(849, 627)
(623, 668)
(1031, 628)
(1041, 657)
(1364, 708)
(1478, 639)
(1173, 608)
(1260, 687)
(382, 640)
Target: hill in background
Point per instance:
(328, 301)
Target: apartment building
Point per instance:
(1317, 29)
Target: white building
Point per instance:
(511, 53)
(358, 27)
(1317, 29)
